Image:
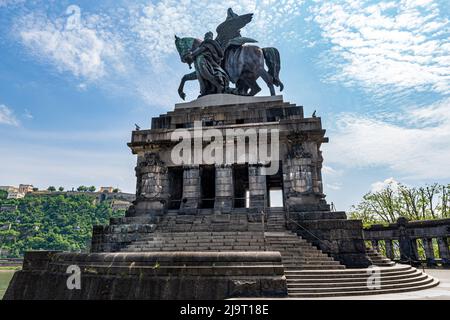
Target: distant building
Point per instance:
(106, 189)
(9, 189)
(15, 195)
(25, 188)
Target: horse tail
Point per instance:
(273, 62)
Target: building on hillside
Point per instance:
(15, 195)
(106, 189)
(9, 189)
(25, 188)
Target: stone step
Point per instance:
(352, 273)
(309, 260)
(383, 282)
(297, 253)
(412, 287)
(301, 279)
(356, 288)
(314, 267)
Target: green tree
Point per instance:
(413, 203)
(61, 189)
(82, 189)
(3, 194)
(51, 222)
(92, 189)
(51, 189)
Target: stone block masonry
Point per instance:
(150, 276)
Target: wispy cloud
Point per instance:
(71, 44)
(7, 116)
(156, 23)
(131, 48)
(386, 47)
(416, 145)
(5, 3)
(334, 186)
(381, 185)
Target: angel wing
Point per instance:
(231, 27)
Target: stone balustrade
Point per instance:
(412, 241)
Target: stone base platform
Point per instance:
(150, 275)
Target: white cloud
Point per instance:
(6, 3)
(7, 116)
(386, 47)
(381, 185)
(74, 46)
(415, 144)
(155, 24)
(131, 48)
(27, 114)
(334, 186)
(330, 171)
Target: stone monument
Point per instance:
(229, 199)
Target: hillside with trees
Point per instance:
(50, 222)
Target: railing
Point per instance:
(288, 219)
(323, 244)
(412, 242)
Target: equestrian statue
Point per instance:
(228, 58)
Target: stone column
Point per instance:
(257, 188)
(224, 189)
(191, 189)
(375, 245)
(389, 249)
(152, 186)
(429, 251)
(443, 251)
(415, 251)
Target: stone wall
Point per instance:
(406, 235)
(333, 234)
(150, 276)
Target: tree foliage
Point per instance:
(387, 205)
(51, 222)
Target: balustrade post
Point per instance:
(429, 251)
(443, 251)
(375, 245)
(415, 252)
(389, 249)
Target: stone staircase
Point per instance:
(309, 272)
(296, 252)
(276, 220)
(353, 282)
(378, 259)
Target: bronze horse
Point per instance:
(244, 64)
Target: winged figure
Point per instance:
(227, 59)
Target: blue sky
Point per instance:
(73, 83)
